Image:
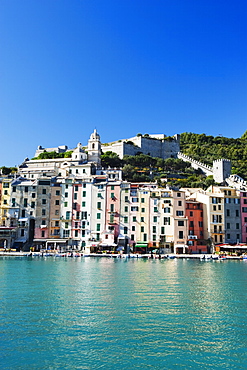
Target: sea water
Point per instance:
(100, 313)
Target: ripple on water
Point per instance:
(108, 314)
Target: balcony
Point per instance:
(192, 236)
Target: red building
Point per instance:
(194, 213)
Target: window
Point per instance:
(98, 227)
(83, 204)
(43, 222)
(214, 208)
(98, 216)
(191, 214)
(219, 207)
(126, 198)
(237, 213)
(154, 229)
(125, 219)
(99, 195)
(244, 209)
(14, 189)
(84, 215)
(25, 202)
(144, 237)
(111, 218)
(43, 191)
(26, 189)
(178, 195)
(66, 194)
(155, 209)
(5, 192)
(125, 230)
(167, 210)
(180, 235)
(155, 219)
(13, 202)
(142, 219)
(75, 195)
(112, 207)
(135, 200)
(143, 210)
(134, 209)
(228, 225)
(5, 201)
(76, 187)
(200, 224)
(228, 236)
(112, 187)
(180, 223)
(142, 200)
(77, 215)
(57, 192)
(133, 228)
(162, 230)
(66, 233)
(66, 225)
(42, 233)
(166, 221)
(132, 237)
(179, 213)
(191, 223)
(99, 205)
(237, 225)
(33, 195)
(57, 212)
(83, 193)
(142, 229)
(65, 204)
(126, 209)
(76, 231)
(67, 215)
(43, 201)
(5, 185)
(57, 223)
(134, 219)
(179, 203)
(57, 202)
(228, 212)
(43, 212)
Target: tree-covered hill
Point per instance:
(208, 148)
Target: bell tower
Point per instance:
(94, 148)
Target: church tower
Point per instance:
(94, 148)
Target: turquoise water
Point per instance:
(122, 314)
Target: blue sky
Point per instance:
(121, 66)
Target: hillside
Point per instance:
(208, 148)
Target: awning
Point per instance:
(23, 219)
(141, 245)
(232, 246)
